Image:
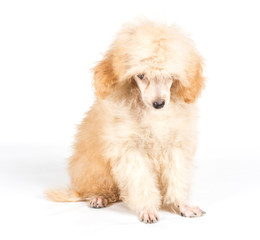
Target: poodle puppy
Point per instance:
(137, 142)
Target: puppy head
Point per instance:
(160, 59)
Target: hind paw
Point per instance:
(98, 202)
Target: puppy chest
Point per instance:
(158, 135)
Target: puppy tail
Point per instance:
(63, 195)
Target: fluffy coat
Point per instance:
(126, 150)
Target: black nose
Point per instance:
(158, 104)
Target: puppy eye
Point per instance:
(141, 76)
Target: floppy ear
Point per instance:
(104, 76)
(191, 91)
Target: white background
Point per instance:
(47, 49)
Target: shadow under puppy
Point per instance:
(137, 142)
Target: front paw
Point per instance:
(147, 216)
(187, 211)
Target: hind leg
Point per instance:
(92, 180)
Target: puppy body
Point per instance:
(127, 150)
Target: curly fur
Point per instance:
(126, 151)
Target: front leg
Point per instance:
(176, 178)
(138, 184)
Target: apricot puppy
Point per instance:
(137, 142)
